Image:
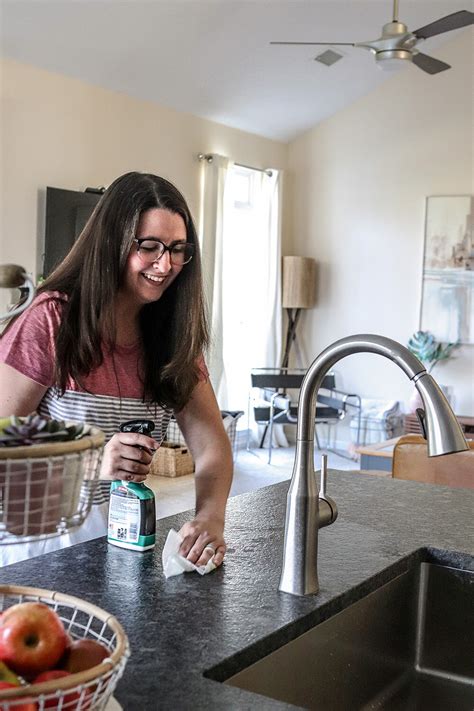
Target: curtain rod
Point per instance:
(208, 157)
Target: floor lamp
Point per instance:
(299, 292)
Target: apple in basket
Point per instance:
(84, 654)
(70, 699)
(25, 705)
(32, 638)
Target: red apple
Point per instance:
(69, 699)
(26, 705)
(84, 654)
(32, 638)
(51, 674)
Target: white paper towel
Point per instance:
(175, 564)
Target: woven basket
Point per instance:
(172, 460)
(47, 489)
(91, 688)
(230, 419)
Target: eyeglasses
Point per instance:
(150, 249)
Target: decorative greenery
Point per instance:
(424, 345)
(33, 429)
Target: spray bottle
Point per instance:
(132, 506)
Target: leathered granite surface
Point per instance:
(189, 632)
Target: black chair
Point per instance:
(273, 384)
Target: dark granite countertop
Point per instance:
(182, 627)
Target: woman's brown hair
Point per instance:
(173, 330)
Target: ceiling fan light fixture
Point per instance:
(392, 60)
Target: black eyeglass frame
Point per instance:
(190, 246)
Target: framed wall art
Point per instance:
(447, 300)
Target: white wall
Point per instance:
(64, 133)
(358, 187)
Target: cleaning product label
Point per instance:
(124, 516)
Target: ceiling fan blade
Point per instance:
(347, 44)
(429, 64)
(446, 24)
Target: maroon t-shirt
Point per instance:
(112, 393)
(29, 347)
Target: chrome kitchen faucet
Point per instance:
(307, 510)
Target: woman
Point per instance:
(117, 332)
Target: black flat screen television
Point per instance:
(67, 212)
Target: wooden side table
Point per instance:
(378, 456)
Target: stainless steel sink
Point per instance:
(408, 645)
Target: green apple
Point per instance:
(6, 674)
(5, 422)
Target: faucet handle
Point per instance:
(327, 505)
(324, 476)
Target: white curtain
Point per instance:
(213, 181)
(271, 206)
(241, 245)
(267, 350)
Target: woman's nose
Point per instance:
(163, 263)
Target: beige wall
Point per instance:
(358, 187)
(64, 133)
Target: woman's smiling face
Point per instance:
(146, 280)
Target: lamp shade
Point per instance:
(299, 282)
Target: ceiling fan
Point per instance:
(398, 43)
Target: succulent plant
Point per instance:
(34, 429)
(424, 345)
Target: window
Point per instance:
(251, 257)
(241, 182)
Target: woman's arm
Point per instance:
(201, 424)
(19, 395)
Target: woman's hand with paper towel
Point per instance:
(203, 539)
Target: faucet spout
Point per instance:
(303, 520)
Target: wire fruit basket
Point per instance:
(47, 489)
(90, 689)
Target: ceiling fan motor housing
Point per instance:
(394, 28)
